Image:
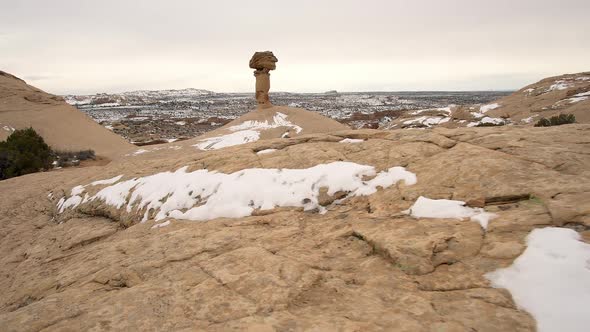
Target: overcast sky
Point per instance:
(82, 46)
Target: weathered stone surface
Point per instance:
(363, 265)
(263, 62)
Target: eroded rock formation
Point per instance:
(263, 62)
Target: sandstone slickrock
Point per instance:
(62, 126)
(361, 266)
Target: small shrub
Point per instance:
(23, 152)
(557, 120)
(72, 158)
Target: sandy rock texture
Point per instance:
(361, 266)
(62, 126)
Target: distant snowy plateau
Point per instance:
(173, 114)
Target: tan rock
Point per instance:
(62, 126)
(263, 62)
(363, 265)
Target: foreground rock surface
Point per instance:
(361, 266)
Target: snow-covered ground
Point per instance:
(266, 151)
(223, 141)
(427, 121)
(246, 132)
(351, 140)
(560, 85)
(444, 208)
(278, 120)
(551, 280)
(205, 195)
(486, 120)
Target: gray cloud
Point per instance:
(90, 46)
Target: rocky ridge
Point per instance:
(62, 126)
(567, 94)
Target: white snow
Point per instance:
(440, 109)
(582, 94)
(428, 121)
(488, 107)
(236, 138)
(266, 151)
(8, 128)
(140, 151)
(246, 132)
(551, 280)
(559, 85)
(486, 119)
(109, 127)
(278, 120)
(529, 119)
(107, 105)
(204, 195)
(107, 181)
(74, 200)
(583, 78)
(180, 123)
(576, 99)
(351, 140)
(444, 208)
(164, 224)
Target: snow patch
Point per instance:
(140, 151)
(246, 132)
(8, 128)
(351, 140)
(427, 121)
(236, 138)
(440, 109)
(205, 195)
(576, 99)
(278, 120)
(487, 119)
(551, 279)
(164, 224)
(488, 107)
(266, 151)
(560, 85)
(529, 119)
(444, 208)
(107, 181)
